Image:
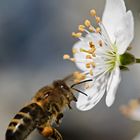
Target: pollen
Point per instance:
(91, 29)
(78, 76)
(91, 72)
(76, 35)
(88, 57)
(93, 12)
(98, 30)
(72, 59)
(66, 56)
(88, 65)
(92, 50)
(91, 45)
(87, 23)
(100, 43)
(81, 28)
(98, 19)
(74, 51)
(93, 64)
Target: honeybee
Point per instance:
(45, 108)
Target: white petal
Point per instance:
(112, 86)
(95, 93)
(80, 56)
(114, 11)
(124, 33)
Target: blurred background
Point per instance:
(34, 35)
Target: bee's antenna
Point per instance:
(79, 91)
(89, 80)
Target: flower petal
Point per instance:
(80, 56)
(124, 33)
(95, 93)
(114, 11)
(112, 86)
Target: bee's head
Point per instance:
(65, 90)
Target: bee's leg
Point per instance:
(58, 118)
(50, 133)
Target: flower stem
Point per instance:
(137, 60)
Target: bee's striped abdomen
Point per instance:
(24, 122)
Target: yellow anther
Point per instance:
(74, 50)
(88, 65)
(100, 43)
(93, 12)
(66, 56)
(78, 76)
(88, 57)
(91, 45)
(81, 28)
(76, 81)
(87, 23)
(93, 64)
(98, 19)
(77, 35)
(76, 73)
(92, 50)
(91, 72)
(98, 30)
(91, 29)
(72, 59)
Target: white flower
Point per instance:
(98, 52)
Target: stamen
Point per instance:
(74, 50)
(72, 59)
(98, 19)
(100, 43)
(91, 29)
(78, 76)
(66, 56)
(93, 64)
(77, 35)
(88, 57)
(93, 12)
(81, 28)
(91, 72)
(88, 65)
(91, 44)
(87, 23)
(90, 51)
(98, 30)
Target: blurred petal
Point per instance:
(114, 11)
(137, 137)
(95, 93)
(132, 110)
(124, 33)
(112, 86)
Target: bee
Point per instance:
(45, 108)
